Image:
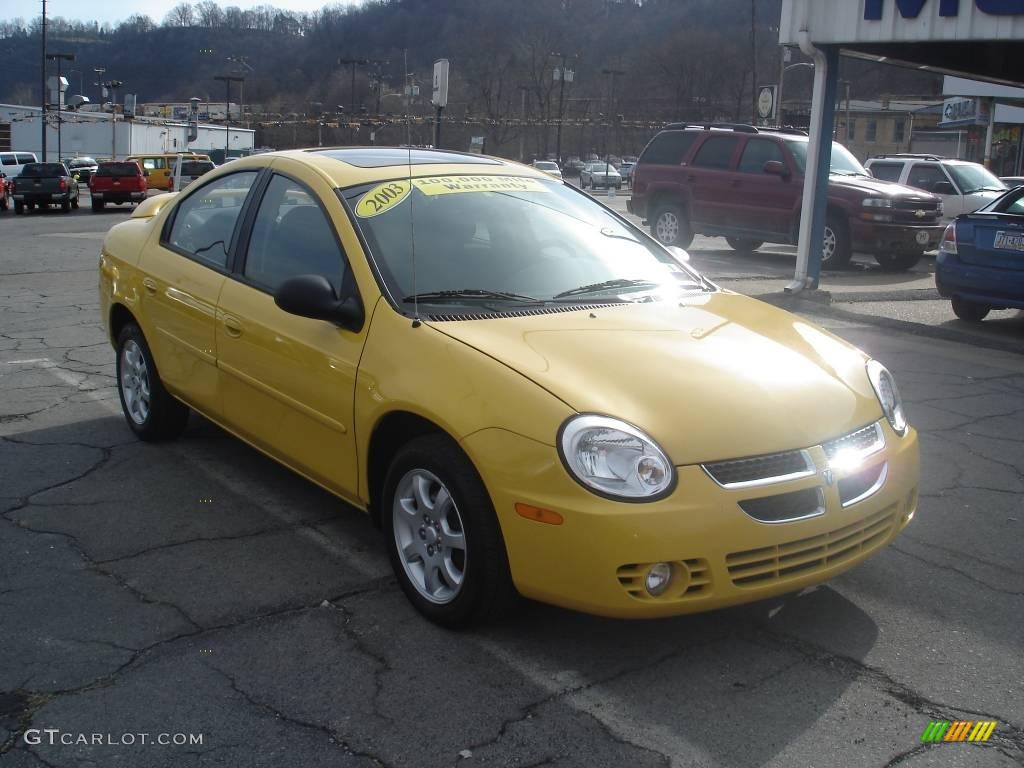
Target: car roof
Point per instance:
(349, 166)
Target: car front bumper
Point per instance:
(998, 288)
(875, 237)
(597, 559)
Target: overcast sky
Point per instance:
(118, 10)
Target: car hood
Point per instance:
(878, 187)
(717, 376)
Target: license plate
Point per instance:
(922, 238)
(1009, 241)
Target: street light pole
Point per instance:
(59, 57)
(228, 79)
(561, 102)
(42, 94)
(611, 73)
(112, 86)
(522, 119)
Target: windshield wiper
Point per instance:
(467, 293)
(607, 285)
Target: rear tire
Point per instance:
(898, 262)
(151, 412)
(970, 311)
(97, 205)
(670, 225)
(836, 251)
(443, 536)
(66, 206)
(742, 245)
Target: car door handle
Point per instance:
(232, 327)
(149, 284)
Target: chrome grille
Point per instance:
(863, 442)
(760, 470)
(757, 567)
(785, 507)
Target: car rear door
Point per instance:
(183, 275)
(288, 382)
(712, 183)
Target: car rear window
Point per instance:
(887, 171)
(716, 152)
(196, 167)
(118, 169)
(668, 148)
(43, 170)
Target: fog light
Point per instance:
(658, 578)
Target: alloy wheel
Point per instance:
(135, 382)
(828, 248)
(667, 227)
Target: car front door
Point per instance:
(710, 178)
(288, 382)
(764, 202)
(182, 278)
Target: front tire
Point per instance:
(836, 250)
(19, 208)
(898, 262)
(443, 537)
(670, 226)
(743, 245)
(151, 412)
(970, 311)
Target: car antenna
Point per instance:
(412, 219)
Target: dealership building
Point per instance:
(98, 135)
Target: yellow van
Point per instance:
(158, 169)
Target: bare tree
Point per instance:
(180, 15)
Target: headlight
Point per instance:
(613, 458)
(888, 395)
(877, 202)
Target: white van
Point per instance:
(11, 163)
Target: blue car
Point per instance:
(980, 265)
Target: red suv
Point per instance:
(746, 184)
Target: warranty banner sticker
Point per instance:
(447, 185)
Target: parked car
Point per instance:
(980, 266)
(82, 167)
(963, 186)
(11, 163)
(746, 184)
(44, 184)
(118, 182)
(626, 171)
(601, 174)
(5, 192)
(287, 297)
(1012, 181)
(549, 167)
(191, 170)
(574, 166)
(158, 168)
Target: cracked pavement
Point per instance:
(198, 588)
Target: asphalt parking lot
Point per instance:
(197, 588)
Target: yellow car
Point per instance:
(530, 395)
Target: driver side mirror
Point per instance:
(313, 296)
(943, 188)
(145, 173)
(776, 168)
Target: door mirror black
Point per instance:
(943, 188)
(313, 296)
(776, 168)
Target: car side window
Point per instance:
(716, 152)
(757, 153)
(205, 221)
(23, 159)
(1016, 206)
(668, 148)
(887, 171)
(291, 236)
(926, 176)
(7, 160)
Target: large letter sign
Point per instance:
(910, 9)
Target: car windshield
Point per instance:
(43, 170)
(484, 241)
(974, 178)
(843, 163)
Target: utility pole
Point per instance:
(753, 63)
(99, 82)
(611, 73)
(522, 120)
(59, 57)
(42, 79)
(318, 111)
(353, 63)
(562, 76)
(242, 62)
(228, 79)
(112, 86)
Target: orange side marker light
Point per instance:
(538, 514)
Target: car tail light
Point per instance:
(62, 185)
(10, 186)
(948, 244)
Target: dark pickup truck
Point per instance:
(44, 184)
(117, 182)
